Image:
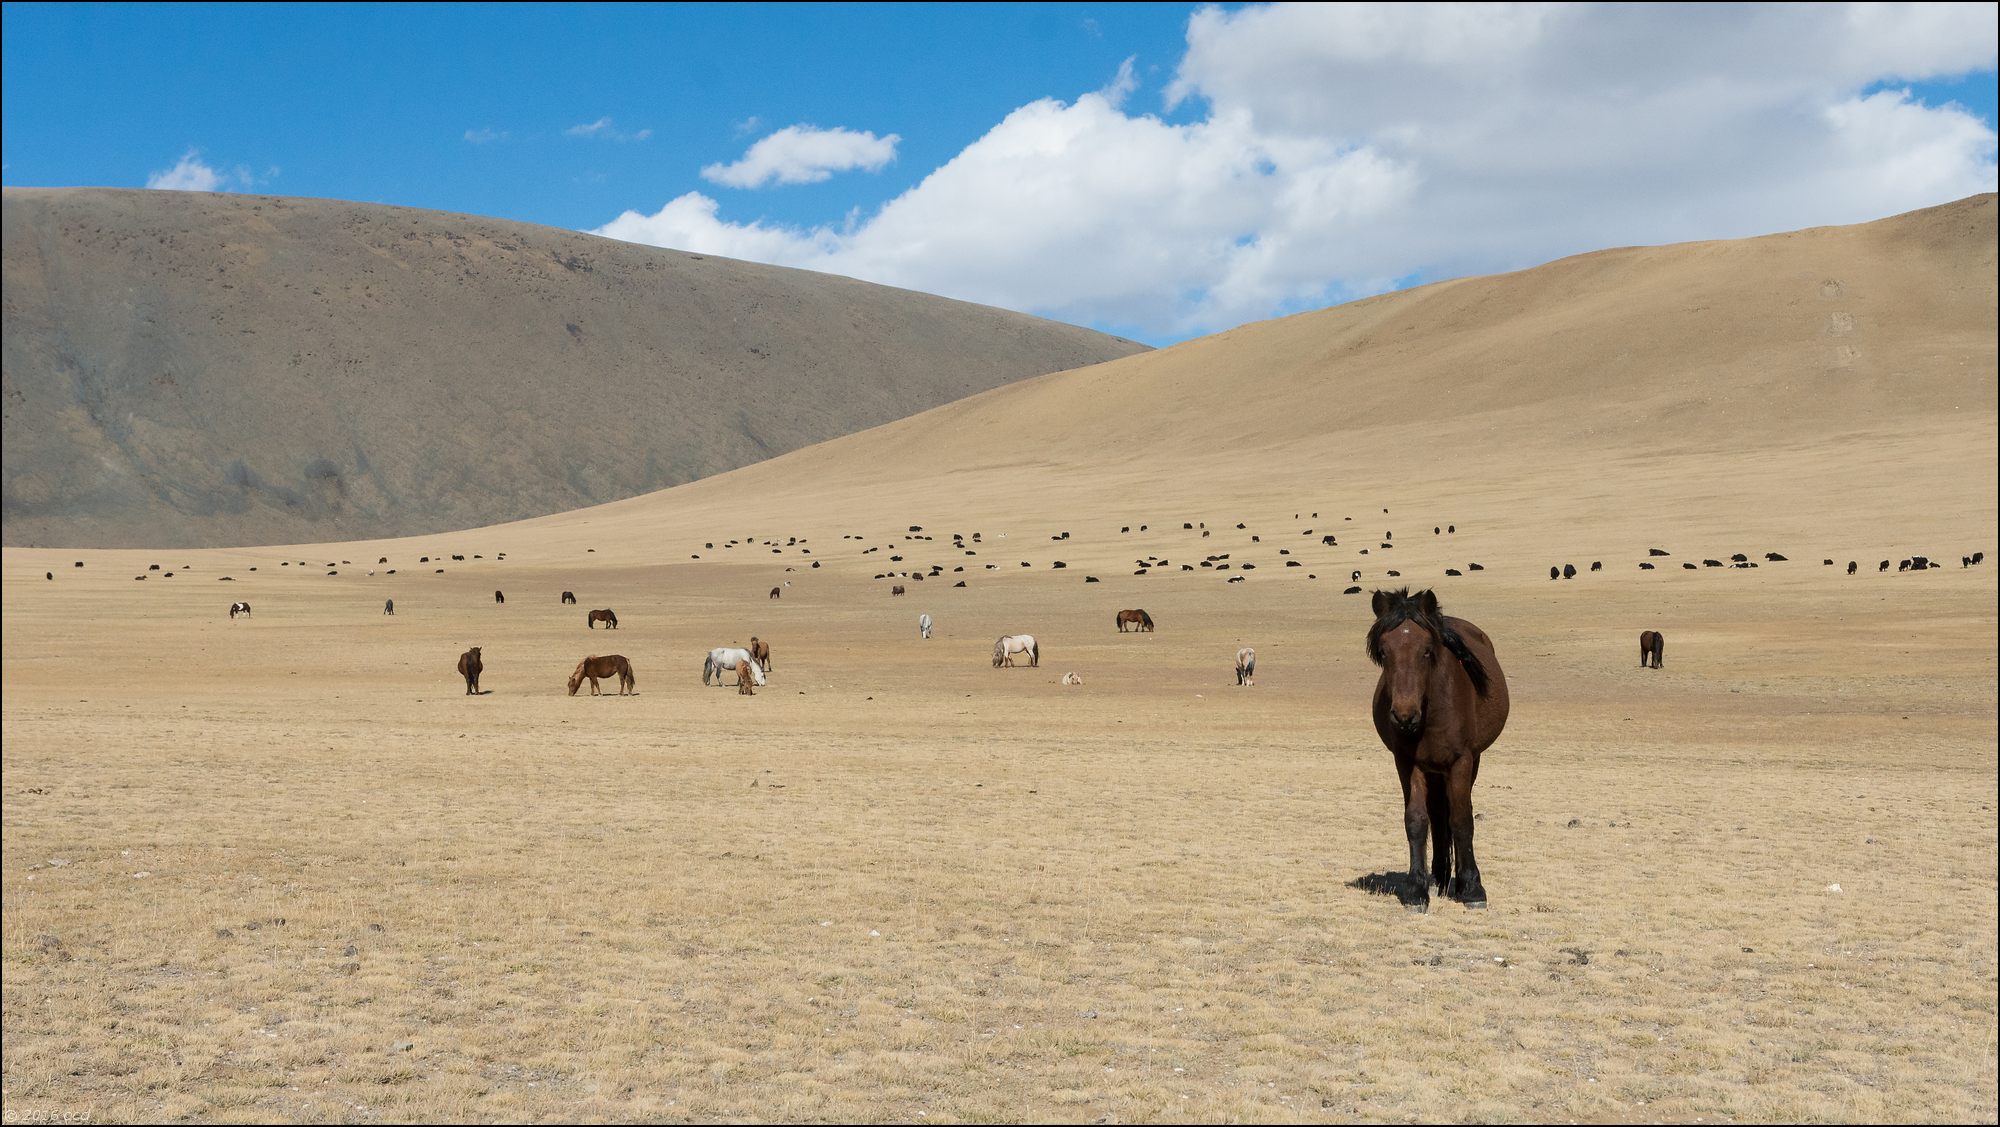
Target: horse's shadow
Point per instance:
(1396, 884)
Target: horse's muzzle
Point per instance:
(1410, 723)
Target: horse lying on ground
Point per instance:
(469, 667)
(591, 668)
(1441, 701)
(729, 658)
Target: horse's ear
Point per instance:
(1381, 603)
(1428, 601)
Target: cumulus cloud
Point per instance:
(485, 136)
(1340, 150)
(189, 175)
(803, 154)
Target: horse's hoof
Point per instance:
(1479, 903)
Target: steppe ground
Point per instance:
(283, 868)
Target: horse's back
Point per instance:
(1490, 710)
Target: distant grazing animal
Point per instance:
(761, 652)
(1884, 567)
(605, 616)
(1739, 558)
(498, 597)
(1072, 678)
(1657, 552)
(1246, 665)
(238, 608)
(1851, 566)
(776, 591)
(1351, 591)
(1555, 573)
(1007, 646)
(1652, 646)
(1645, 567)
(1903, 565)
(49, 575)
(569, 598)
(1917, 563)
(1773, 557)
(469, 666)
(896, 589)
(729, 658)
(1356, 577)
(388, 606)
(1597, 565)
(1453, 571)
(610, 665)
(745, 673)
(1440, 703)
(1711, 563)
(1569, 571)
(924, 626)
(1138, 619)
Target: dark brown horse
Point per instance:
(1652, 646)
(776, 591)
(760, 652)
(609, 619)
(498, 597)
(1138, 619)
(469, 667)
(593, 667)
(569, 598)
(1440, 702)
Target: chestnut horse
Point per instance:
(595, 667)
(1136, 618)
(469, 667)
(1652, 647)
(745, 677)
(604, 616)
(760, 652)
(1440, 702)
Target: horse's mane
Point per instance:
(1405, 607)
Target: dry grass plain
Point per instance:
(284, 869)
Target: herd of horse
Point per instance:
(1440, 702)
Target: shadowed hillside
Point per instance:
(188, 369)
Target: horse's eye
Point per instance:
(1429, 653)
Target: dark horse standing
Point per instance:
(469, 667)
(1440, 702)
(604, 616)
(1652, 647)
(1135, 618)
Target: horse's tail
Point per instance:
(1034, 652)
(707, 667)
(590, 619)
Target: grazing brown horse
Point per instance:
(569, 598)
(498, 597)
(1652, 646)
(760, 652)
(605, 616)
(1139, 619)
(896, 589)
(1440, 702)
(594, 667)
(469, 666)
(776, 591)
(745, 677)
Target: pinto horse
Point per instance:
(1138, 619)
(1440, 702)
(1005, 649)
(732, 658)
(611, 665)
(238, 608)
(605, 616)
(1652, 646)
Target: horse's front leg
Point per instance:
(1438, 809)
(1465, 886)
(1416, 824)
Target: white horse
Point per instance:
(1005, 649)
(924, 625)
(1246, 664)
(729, 658)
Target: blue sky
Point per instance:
(1155, 170)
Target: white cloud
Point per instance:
(1337, 149)
(485, 136)
(189, 175)
(603, 129)
(803, 154)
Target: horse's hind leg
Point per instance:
(1438, 809)
(1465, 886)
